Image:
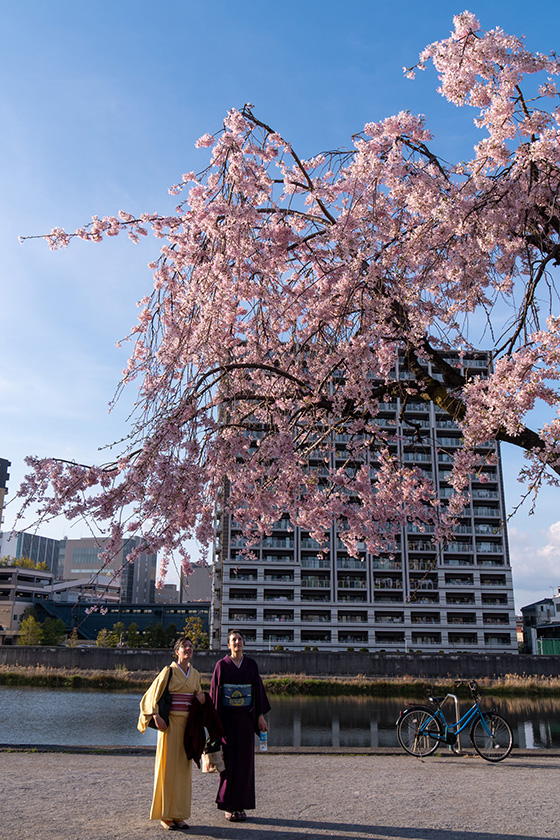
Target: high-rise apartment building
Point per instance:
(420, 597)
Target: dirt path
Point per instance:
(65, 796)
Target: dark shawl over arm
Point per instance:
(201, 715)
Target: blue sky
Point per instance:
(101, 105)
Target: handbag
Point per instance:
(164, 705)
(212, 757)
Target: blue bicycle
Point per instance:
(421, 729)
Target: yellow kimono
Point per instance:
(172, 779)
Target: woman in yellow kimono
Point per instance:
(171, 803)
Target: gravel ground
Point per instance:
(70, 796)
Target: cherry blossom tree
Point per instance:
(286, 288)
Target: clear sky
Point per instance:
(101, 104)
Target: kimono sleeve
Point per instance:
(149, 702)
(215, 685)
(262, 706)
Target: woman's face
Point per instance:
(184, 653)
(236, 644)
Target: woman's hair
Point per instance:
(234, 633)
(180, 642)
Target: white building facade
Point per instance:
(421, 597)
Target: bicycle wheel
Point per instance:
(418, 731)
(492, 737)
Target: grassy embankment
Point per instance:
(287, 684)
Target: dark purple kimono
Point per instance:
(237, 782)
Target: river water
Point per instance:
(98, 718)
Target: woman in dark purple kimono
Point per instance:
(241, 702)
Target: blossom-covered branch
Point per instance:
(285, 291)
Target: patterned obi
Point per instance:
(181, 702)
(237, 696)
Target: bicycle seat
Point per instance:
(436, 700)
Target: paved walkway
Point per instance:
(70, 796)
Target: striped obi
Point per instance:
(181, 702)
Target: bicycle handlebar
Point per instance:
(472, 684)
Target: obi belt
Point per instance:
(237, 696)
(181, 702)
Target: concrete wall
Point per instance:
(317, 664)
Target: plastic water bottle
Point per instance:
(263, 745)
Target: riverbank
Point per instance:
(121, 679)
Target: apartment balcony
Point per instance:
(416, 529)
(426, 640)
(425, 619)
(307, 542)
(421, 545)
(481, 493)
(458, 547)
(416, 565)
(277, 542)
(495, 619)
(350, 563)
(351, 583)
(279, 597)
(381, 564)
(382, 639)
(445, 458)
(353, 638)
(420, 585)
(387, 583)
(315, 583)
(417, 457)
(270, 636)
(315, 596)
(315, 563)
(486, 528)
(458, 561)
(486, 511)
(426, 598)
(279, 617)
(496, 563)
(467, 640)
(315, 638)
(242, 617)
(497, 581)
(462, 620)
(347, 597)
(489, 547)
(352, 619)
(306, 617)
(389, 619)
(497, 641)
(459, 581)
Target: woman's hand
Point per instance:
(263, 725)
(160, 723)
(201, 697)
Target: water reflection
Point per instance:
(58, 716)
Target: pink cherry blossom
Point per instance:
(294, 299)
